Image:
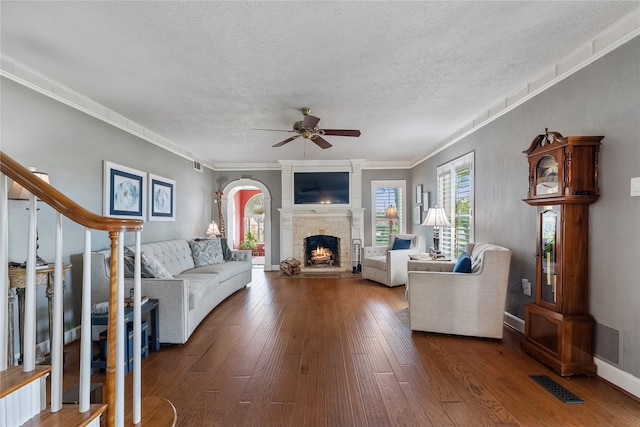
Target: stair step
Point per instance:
(14, 378)
(68, 416)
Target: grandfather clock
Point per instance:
(563, 182)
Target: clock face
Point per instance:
(547, 176)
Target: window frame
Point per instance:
(450, 198)
(401, 207)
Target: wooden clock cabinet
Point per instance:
(563, 182)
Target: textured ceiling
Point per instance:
(205, 75)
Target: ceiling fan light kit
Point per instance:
(308, 129)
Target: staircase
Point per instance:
(30, 394)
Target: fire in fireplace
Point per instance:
(322, 251)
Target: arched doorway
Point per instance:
(230, 213)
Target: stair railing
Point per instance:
(114, 387)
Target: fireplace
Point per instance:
(343, 222)
(322, 251)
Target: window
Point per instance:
(254, 217)
(385, 194)
(455, 195)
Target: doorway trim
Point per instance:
(240, 184)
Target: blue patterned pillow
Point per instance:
(206, 252)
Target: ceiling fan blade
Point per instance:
(320, 142)
(309, 122)
(280, 144)
(341, 132)
(274, 130)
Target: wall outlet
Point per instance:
(526, 287)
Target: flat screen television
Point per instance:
(315, 188)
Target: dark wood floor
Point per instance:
(339, 352)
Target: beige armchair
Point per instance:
(389, 267)
(471, 304)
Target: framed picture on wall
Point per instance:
(124, 191)
(417, 218)
(419, 194)
(425, 201)
(162, 198)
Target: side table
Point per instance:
(17, 281)
(152, 306)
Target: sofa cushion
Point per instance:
(399, 243)
(152, 267)
(224, 271)
(206, 252)
(463, 265)
(175, 255)
(199, 286)
(378, 262)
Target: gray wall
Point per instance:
(602, 99)
(71, 146)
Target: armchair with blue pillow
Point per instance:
(463, 297)
(388, 264)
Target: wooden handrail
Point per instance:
(71, 210)
(61, 203)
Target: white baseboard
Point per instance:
(618, 377)
(610, 373)
(45, 346)
(514, 322)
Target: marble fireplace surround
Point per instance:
(300, 221)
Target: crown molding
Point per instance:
(36, 81)
(607, 41)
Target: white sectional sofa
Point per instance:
(191, 293)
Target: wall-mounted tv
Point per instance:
(320, 188)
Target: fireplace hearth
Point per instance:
(322, 251)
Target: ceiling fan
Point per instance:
(308, 129)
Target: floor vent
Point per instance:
(556, 389)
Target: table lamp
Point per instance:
(213, 230)
(436, 218)
(391, 215)
(18, 192)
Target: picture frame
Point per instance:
(417, 217)
(162, 198)
(425, 201)
(419, 194)
(124, 191)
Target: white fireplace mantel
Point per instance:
(320, 219)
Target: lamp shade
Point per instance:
(18, 192)
(436, 217)
(213, 230)
(391, 213)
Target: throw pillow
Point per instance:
(129, 257)
(226, 251)
(399, 243)
(153, 267)
(463, 265)
(206, 252)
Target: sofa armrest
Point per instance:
(173, 297)
(241, 255)
(371, 251)
(397, 261)
(440, 266)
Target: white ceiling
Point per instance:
(205, 75)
